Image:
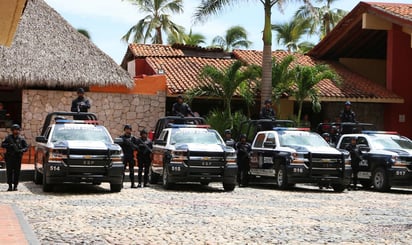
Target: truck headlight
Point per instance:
(231, 158)
(57, 155)
(179, 156)
(297, 158)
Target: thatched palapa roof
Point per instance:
(48, 52)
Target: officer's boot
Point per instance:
(10, 188)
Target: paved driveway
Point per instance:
(193, 214)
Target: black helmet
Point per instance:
(143, 131)
(80, 91)
(268, 101)
(127, 126)
(348, 103)
(180, 96)
(228, 131)
(325, 135)
(15, 126)
(243, 136)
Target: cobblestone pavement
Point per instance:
(194, 214)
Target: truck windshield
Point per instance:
(80, 132)
(297, 138)
(195, 136)
(392, 143)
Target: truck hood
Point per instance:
(76, 144)
(203, 147)
(316, 149)
(400, 152)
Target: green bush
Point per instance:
(219, 121)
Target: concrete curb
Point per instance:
(25, 226)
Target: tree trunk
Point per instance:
(299, 112)
(266, 86)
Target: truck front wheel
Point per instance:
(282, 177)
(380, 179)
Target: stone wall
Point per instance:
(112, 109)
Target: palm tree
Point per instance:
(156, 20)
(235, 37)
(323, 19)
(224, 83)
(211, 7)
(190, 38)
(305, 80)
(282, 78)
(290, 33)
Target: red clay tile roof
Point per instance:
(354, 86)
(183, 72)
(395, 11)
(154, 50)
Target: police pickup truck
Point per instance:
(76, 151)
(192, 153)
(291, 155)
(385, 158)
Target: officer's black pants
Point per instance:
(129, 161)
(243, 171)
(144, 164)
(13, 167)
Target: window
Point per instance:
(259, 140)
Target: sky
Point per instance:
(108, 20)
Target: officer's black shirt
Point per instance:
(145, 149)
(15, 146)
(129, 144)
(243, 150)
(181, 109)
(267, 113)
(80, 104)
(347, 116)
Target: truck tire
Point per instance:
(115, 187)
(282, 177)
(228, 187)
(46, 187)
(380, 179)
(153, 177)
(38, 178)
(338, 187)
(166, 179)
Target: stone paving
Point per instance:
(194, 214)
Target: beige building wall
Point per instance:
(113, 110)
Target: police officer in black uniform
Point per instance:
(356, 158)
(267, 111)
(129, 145)
(347, 115)
(228, 138)
(15, 146)
(243, 157)
(180, 108)
(144, 157)
(80, 104)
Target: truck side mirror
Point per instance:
(118, 141)
(41, 139)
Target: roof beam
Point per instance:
(408, 31)
(373, 22)
(10, 13)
